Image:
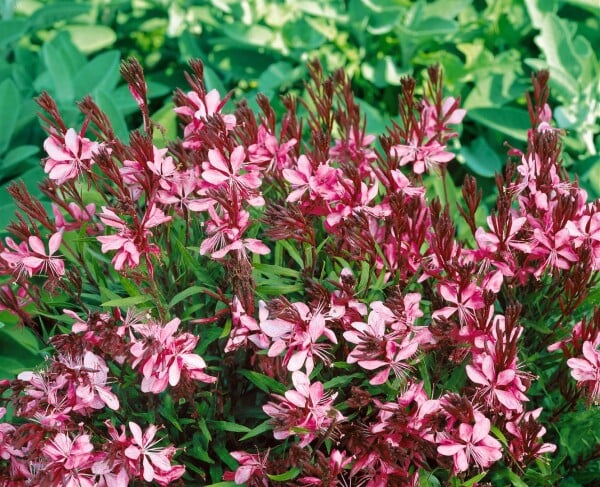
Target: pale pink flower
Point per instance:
(474, 445)
(39, 261)
(252, 465)
(232, 172)
(586, 370)
(156, 461)
(68, 156)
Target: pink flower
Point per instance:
(233, 172)
(252, 466)
(67, 452)
(156, 462)
(306, 410)
(502, 387)
(586, 370)
(68, 156)
(465, 300)
(473, 445)
(131, 243)
(198, 108)
(322, 182)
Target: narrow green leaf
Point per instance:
(257, 430)
(229, 426)
(274, 270)
(263, 382)
(186, 293)
(126, 302)
(282, 477)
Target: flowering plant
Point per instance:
(287, 303)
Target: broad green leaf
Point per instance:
(63, 61)
(12, 30)
(101, 73)
(375, 121)
(48, 15)
(17, 155)
(212, 81)
(481, 158)
(9, 99)
(253, 35)
(513, 122)
(167, 119)
(301, 35)
(91, 38)
(126, 302)
(276, 76)
(114, 113)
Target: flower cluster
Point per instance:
(289, 303)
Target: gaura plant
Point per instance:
(281, 301)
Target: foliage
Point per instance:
(291, 302)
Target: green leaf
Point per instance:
(101, 73)
(91, 38)
(9, 99)
(186, 293)
(229, 426)
(212, 81)
(276, 76)
(282, 477)
(341, 381)
(127, 302)
(263, 382)
(513, 122)
(18, 154)
(274, 270)
(257, 430)
(481, 158)
(473, 480)
(12, 30)
(57, 12)
(63, 61)
(167, 119)
(253, 35)
(106, 103)
(498, 434)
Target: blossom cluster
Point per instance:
(298, 273)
